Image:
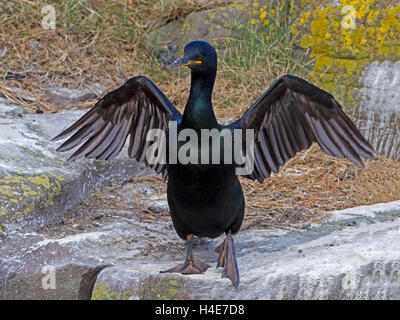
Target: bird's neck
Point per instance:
(198, 112)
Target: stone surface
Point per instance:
(164, 42)
(168, 41)
(63, 97)
(113, 247)
(67, 98)
(378, 112)
(356, 56)
(33, 266)
(334, 261)
(371, 211)
(19, 93)
(37, 185)
(210, 25)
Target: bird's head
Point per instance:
(198, 55)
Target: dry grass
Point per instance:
(95, 39)
(168, 11)
(314, 182)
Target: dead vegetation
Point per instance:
(95, 40)
(92, 43)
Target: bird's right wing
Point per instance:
(133, 109)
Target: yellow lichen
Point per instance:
(343, 47)
(26, 193)
(3, 211)
(103, 291)
(6, 191)
(262, 15)
(29, 208)
(40, 180)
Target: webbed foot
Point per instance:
(191, 265)
(227, 260)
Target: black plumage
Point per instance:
(206, 200)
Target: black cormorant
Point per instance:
(206, 200)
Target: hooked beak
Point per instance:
(185, 61)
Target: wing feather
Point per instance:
(267, 154)
(131, 110)
(289, 117)
(87, 118)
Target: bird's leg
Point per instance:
(191, 265)
(221, 249)
(227, 260)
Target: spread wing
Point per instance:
(133, 109)
(289, 117)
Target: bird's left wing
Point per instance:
(289, 117)
(133, 109)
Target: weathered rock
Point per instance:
(46, 269)
(63, 97)
(69, 97)
(114, 251)
(210, 25)
(366, 212)
(355, 56)
(37, 185)
(164, 42)
(168, 41)
(361, 262)
(19, 93)
(377, 113)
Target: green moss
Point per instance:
(103, 291)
